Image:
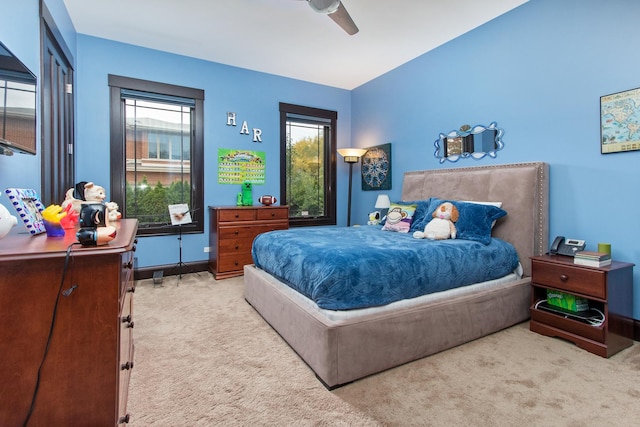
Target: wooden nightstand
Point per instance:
(608, 289)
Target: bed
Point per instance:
(343, 344)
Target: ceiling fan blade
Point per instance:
(342, 18)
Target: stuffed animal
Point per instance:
(442, 225)
(88, 192)
(247, 193)
(374, 218)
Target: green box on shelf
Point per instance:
(567, 301)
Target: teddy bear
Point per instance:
(88, 192)
(442, 226)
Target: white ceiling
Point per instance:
(286, 37)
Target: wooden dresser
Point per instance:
(232, 231)
(84, 378)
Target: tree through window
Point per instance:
(308, 164)
(157, 143)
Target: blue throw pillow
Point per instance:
(474, 221)
(422, 215)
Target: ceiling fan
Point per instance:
(337, 12)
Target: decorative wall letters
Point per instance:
(244, 129)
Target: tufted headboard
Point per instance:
(523, 189)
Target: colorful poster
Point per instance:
(238, 166)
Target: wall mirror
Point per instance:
(477, 141)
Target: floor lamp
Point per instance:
(351, 156)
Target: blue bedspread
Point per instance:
(343, 268)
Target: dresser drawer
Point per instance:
(272, 213)
(574, 279)
(247, 231)
(233, 262)
(238, 245)
(229, 215)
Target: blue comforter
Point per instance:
(343, 268)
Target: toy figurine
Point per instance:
(88, 192)
(52, 216)
(247, 193)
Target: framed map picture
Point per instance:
(376, 168)
(620, 122)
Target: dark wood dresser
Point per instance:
(84, 376)
(232, 231)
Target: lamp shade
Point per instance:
(383, 202)
(351, 155)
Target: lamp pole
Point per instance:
(351, 156)
(349, 202)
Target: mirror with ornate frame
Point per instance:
(477, 141)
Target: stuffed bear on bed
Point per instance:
(442, 225)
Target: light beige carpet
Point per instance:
(204, 357)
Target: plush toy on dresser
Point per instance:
(87, 192)
(442, 225)
(245, 197)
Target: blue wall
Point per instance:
(253, 96)
(538, 71)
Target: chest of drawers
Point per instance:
(608, 290)
(232, 231)
(88, 297)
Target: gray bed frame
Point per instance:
(342, 351)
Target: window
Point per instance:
(308, 164)
(156, 152)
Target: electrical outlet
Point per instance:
(207, 249)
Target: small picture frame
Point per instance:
(29, 208)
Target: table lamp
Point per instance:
(383, 203)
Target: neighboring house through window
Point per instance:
(156, 152)
(308, 164)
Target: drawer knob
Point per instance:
(564, 277)
(124, 420)
(237, 215)
(130, 325)
(235, 263)
(126, 366)
(237, 247)
(273, 214)
(237, 232)
(131, 289)
(126, 319)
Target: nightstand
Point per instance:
(609, 290)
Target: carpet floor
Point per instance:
(204, 357)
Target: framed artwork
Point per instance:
(620, 122)
(29, 208)
(376, 168)
(238, 166)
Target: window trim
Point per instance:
(330, 171)
(117, 144)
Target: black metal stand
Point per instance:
(180, 264)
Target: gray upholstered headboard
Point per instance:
(523, 189)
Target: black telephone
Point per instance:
(567, 247)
